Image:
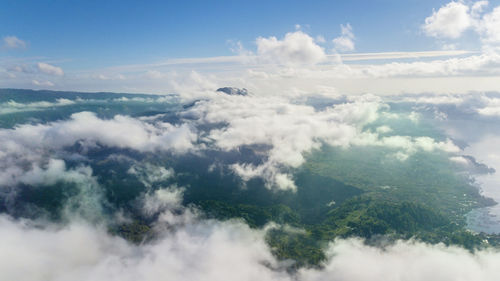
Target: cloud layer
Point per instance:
(218, 251)
(187, 247)
(295, 48)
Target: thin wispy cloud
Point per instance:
(12, 42)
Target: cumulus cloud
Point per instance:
(31, 154)
(162, 200)
(489, 27)
(49, 69)
(185, 247)
(491, 106)
(55, 171)
(459, 160)
(295, 48)
(478, 7)
(192, 84)
(285, 131)
(290, 129)
(149, 174)
(12, 42)
(384, 129)
(450, 21)
(120, 131)
(48, 173)
(345, 42)
(201, 251)
(218, 251)
(85, 202)
(404, 261)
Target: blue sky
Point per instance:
(92, 35)
(98, 33)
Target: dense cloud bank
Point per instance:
(189, 248)
(210, 250)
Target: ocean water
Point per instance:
(487, 219)
(27, 106)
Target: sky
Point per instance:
(118, 45)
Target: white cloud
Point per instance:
(290, 129)
(210, 250)
(320, 39)
(480, 103)
(287, 130)
(42, 83)
(405, 146)
(296, 65)
(459, 160)
(402, 55)
(449, 47)
(155, 74)
(384, 129)
(433, 99)
(490, 111)
(27, 150)
(12, 42)
(34, 170)
(49, 69)
(48, 173)
(483, 63)
(162, 200)
(404, 261)
(478, 8)
(192, 84)
(490, 106)
(450, 21)
(87, 128)
(489, 27)
(53, 172)
(295, 48)
(149, 174)
(345, 42)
